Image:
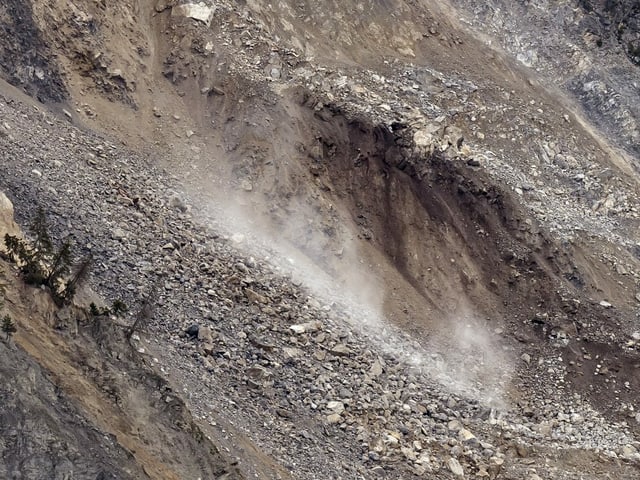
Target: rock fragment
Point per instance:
(197, 11)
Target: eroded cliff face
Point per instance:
(585, 48)
(26, 57)
(457, 171)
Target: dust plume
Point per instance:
(463, 356)
(472, 361)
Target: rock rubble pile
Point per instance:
(325, 394)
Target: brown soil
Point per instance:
(438, 242)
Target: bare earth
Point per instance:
(408, 249)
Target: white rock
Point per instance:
(376, 369)
(7, 224)
(297, 329)
(455, 467)
(205, 334)
(335, 406)
(424, 137)
(118, 233)
(334, 418)
(455, 425)
(313, 326)
(197, 11)
(466, 436)
(290, 352)
(629, 452)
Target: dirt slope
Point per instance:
(407, 168)
(79, 405)
(77, 399)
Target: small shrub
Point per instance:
(28, 259)
(119, 307)
(96, 311)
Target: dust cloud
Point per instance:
(463, 356)
(472, 361)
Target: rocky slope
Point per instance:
(77, 401)
(587, 48)
(381, 248)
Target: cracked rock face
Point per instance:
(26, 58)
(589, 49)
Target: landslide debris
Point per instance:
(266, 366)
(486, 231)
(77, 401)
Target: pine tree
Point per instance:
(8, 327)
(39, 228)
(60, 266)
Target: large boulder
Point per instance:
(197, 11)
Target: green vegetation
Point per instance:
(95, 311)
(118, 307)
(8, 327)
(41, 264)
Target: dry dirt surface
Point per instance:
(383, 239)
(83, 406)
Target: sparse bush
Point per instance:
(29, 260)
(94, 310)
(40, 264)
(119, 307)
(8, 327)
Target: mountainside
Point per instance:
(382, 239)
(587, 48)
